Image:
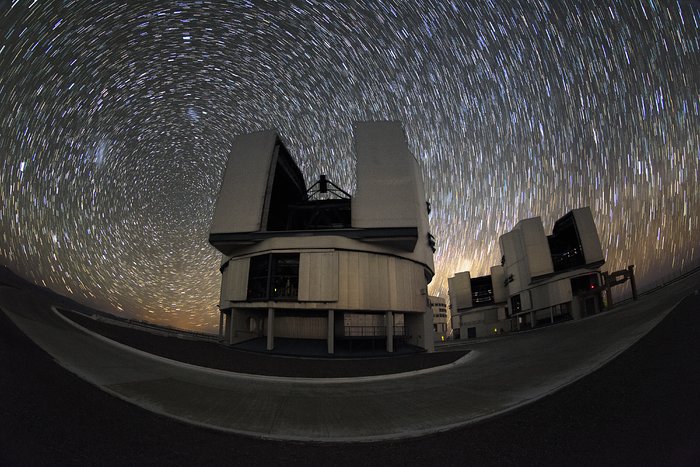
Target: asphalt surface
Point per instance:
(213, 355)
(640, 408)
(495, 377)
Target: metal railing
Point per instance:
(371, 331)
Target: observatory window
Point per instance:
(565, 244)
(515, 304)
(482, 290)
(274, 277)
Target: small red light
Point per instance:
(592, 286)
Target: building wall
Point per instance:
(515, 268)
(500, 292)
(588, 234)
(438, 305)
(483, 321)
(390, 191)
(307, 327)
(379, 282)
(318, 276)
(339, 280)
(551, 293)
(245, 178)
(537, 255)
(419, 330)
(526, 253)
(369, 324)
(460, 291)
(234, 280)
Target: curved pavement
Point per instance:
(499, 375)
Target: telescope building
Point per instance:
(318, 263)
(542, 279)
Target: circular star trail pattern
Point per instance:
(117, 119)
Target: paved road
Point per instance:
(497, 376)
(214, 355)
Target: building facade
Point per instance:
(542, 279)
(319, 263)
(438, 305)
(478, 304)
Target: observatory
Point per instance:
(318, 263)
(439, 307)
(542, 279)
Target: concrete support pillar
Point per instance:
(389, 321)
(551, 315)
(270, 328)
(221, 324)
(533, 319)
(633, 282)
(331, 331)
(576, 308)
(231, 328)
(608, 290)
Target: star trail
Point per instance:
(116, 120)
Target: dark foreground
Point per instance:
(214, 355)
(641, 408)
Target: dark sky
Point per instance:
(116, 121)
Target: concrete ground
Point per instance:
(258, 361)
(495, 377)
(318, 347)
(639, 409)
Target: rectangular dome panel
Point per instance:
(239, 206)
(389, 184)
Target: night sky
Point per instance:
(116, 122)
